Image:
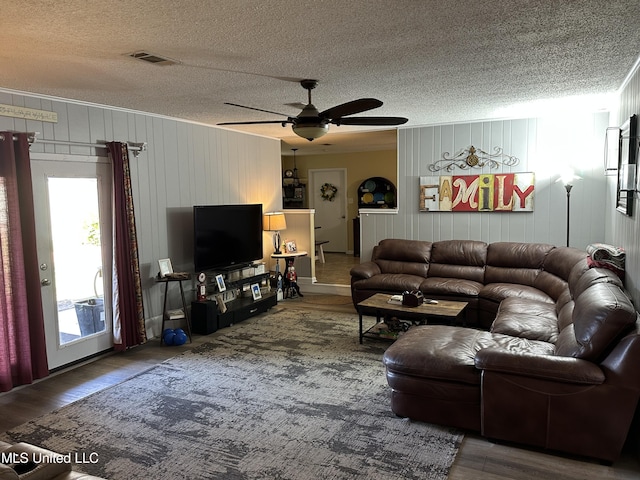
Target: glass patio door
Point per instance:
(73, 204)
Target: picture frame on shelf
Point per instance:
(290, 246)
(222, 307)
(220, 282)
(165, 267)
(255, 291)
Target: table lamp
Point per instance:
(274, 222)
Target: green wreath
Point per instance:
(328, 192)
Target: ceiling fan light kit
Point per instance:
(311, 132)
(311, 124)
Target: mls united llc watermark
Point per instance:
(10, 458)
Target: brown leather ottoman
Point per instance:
(431, 372)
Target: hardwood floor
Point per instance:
(335, 270)
(478, 458)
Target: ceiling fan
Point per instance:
(311, 124)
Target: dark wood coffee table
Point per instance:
(444, 311)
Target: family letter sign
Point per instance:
(499, 192)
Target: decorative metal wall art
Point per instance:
(474, 158)
(500, 192)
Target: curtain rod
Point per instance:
(136, 148)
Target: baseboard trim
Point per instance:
(327, 289)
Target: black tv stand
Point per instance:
(233, 268)
(206, 317)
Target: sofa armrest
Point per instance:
(32, 461)
(365, 270)
(547, 367)
(8, 473)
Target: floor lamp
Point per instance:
(568, 178)
(568, 187)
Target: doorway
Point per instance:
(330, 214)
(73, 211)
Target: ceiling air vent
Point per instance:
(152, 58)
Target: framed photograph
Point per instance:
(255, 291)
(626, 165)
(165, 267)
(222, 307)
(220, 281)
(290, 246)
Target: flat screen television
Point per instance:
(226, 236)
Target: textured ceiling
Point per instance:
(431, 61)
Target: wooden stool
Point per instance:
(320, 251)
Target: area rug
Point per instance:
(286, 395)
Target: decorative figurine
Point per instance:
(292, 278)
(202, 287)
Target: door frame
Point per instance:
(60, 355)
(343, 196)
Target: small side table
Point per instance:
(286, 257)
(167, 281)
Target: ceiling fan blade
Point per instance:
(349, 108)
(298, 105)
(370, 121)
(288, 120)
(258, 109)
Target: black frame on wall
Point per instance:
(627, 159)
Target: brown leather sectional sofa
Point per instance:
(549, 354)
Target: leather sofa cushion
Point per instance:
(402, 250)
(448, 353)
(527, 319)
(459, 252)
(522, 276)
(565, 315)
(563, 300)
(450, 286)
(513, 262)
(581, 279)
(402, 256)
(389, 282)
(364, 270)
(410, 268)
(42, 470)
(458, 259)
(601, 316)
(475, 274)
(7, 473)
(551, 285)
(499, 291)
(517, 255)
(561, 260)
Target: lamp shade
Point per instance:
(568, 176)
(274, 222)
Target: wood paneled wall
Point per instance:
(621, 230)
(185, 164)
(543, 145)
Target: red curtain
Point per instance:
(128, 310)
(23, 356)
